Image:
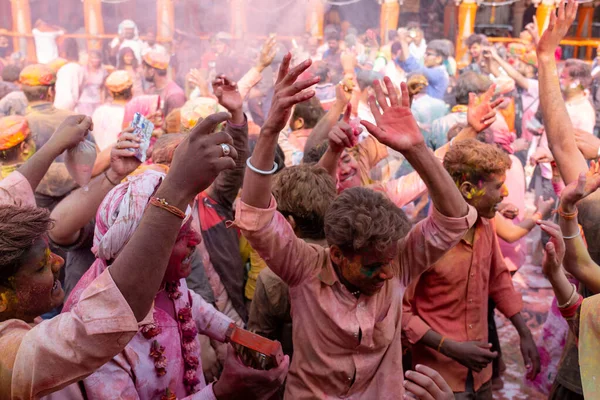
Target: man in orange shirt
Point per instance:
(445, 313)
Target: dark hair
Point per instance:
(440, 48)
(36, 93)
(121, 58)
(20, 228)
(126, 94)
(332, 36)
(315, 153)
(470, 82)
(71, 49)
(476, 39)
(11, 73)
(360, 218)
(310, 111)
(305, 193)
(471, 161)
(579, 69)
(396, 47)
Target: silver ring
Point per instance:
(226, 149)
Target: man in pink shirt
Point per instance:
(346, 300)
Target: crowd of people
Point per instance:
(361, 201)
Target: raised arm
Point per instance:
(510, 70)
(342, 136)
(288, 92)
(227, 185)
(511, 232)
(397, 128)
(72, 131)
(76, 210)
(578, 261)
(557, 122)
(321, 130)
(197, 161)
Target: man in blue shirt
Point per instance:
(433, 69)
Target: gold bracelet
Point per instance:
(439, 349)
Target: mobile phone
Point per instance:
(254, 350)
(142, 128)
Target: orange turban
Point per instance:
(57, 64)
(118, 81)
(157, 59)
(37, 75)
(13, 131)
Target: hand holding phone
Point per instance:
(142, 128)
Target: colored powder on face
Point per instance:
(368, 272)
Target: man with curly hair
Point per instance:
(445, 312)
(347, 299)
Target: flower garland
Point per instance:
(189, 332)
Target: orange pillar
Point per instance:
(543, 14)
(388, 20)
(466, 26)
(585, 19)
(315, 13)
(94, 25)
(165, 20)
(21, 14)
(238, 18)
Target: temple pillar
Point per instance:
(388, 20)
(315, 15)
(94, 25)
(165, 20)
(21, 14)
(543, 14)
(467, 10)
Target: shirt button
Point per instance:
(349, 378)
(470, 300)
(470, 326)
(356, 334)
(472, 274)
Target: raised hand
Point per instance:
(554, 250)
(396, 127)
(122, 160)
(557, 28)
(288, 93)
(267, 53)
(71, 132)
(343, 135)
(227, 93)
(544, 207)
(533, 30)
(587, 184)
(201, 157)
(508, 210)
(481, 113)
(195, 78)
(426, 384)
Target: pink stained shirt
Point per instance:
(37, 359)
(329, 359)
(514, 253)
(16, 190)
(131, 374)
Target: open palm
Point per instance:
(587, 184)
(227, 92)
(396, 127)
(558, 27)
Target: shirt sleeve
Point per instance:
(268, 232)
(248, 81)
(16, 190)
(413, 327)
(409, 187)
(209, 321)
(72, 345)
(502, 290)
(430, 239)
(411, 65)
